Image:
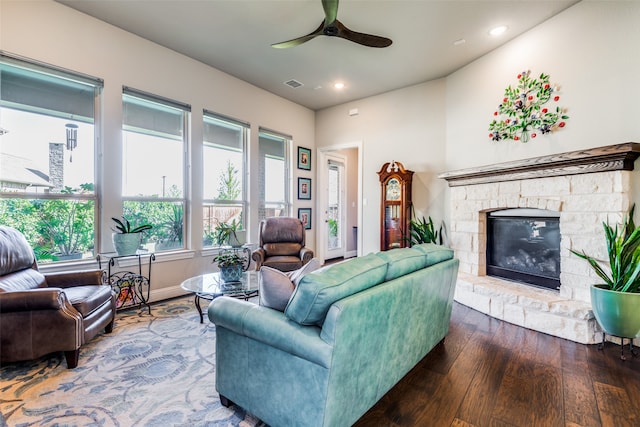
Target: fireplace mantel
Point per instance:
(601, 159)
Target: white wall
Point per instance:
(49, 32)
(406, 125)
(590, 50)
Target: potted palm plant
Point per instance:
(423, 231)
(231, 265)
(126, 238)
(616, 302)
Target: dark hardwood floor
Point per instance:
(493, 373)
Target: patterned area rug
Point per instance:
(153, 370)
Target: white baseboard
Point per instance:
(350, 254)
(167, 293)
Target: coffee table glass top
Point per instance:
(211, 285)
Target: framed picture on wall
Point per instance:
(304, 215)
(304, 158)
(304, 188)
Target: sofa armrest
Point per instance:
(270, 327)
(258, 256)
(75, 278)
(33, 299)
(306, 255)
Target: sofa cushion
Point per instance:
(435, 253)
(283, 262)
(316, 291)
(22, 280)
(276, 286)
(85, 299)
(15, 252)
(403, 261)
(309, 267)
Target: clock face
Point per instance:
(393, 189)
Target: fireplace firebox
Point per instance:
(524, 245)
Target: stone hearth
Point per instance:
(585, 188)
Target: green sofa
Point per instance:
(349, 333)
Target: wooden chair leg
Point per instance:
(72, 358)
(109, 328)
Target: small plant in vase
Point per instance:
(231, 265)
(126, 238)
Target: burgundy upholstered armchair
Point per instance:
(282, 241)
(42, 314)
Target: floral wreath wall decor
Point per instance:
(524, 112)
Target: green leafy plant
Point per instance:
(66, 225)
(228, 259)
(224, 230)
(124, 226)
(423, 231)
(623, 248)
(333, 227)
(173, 224)
(229, 185)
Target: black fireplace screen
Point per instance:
(524, 248)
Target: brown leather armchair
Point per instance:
(42, 314)
(282, 241)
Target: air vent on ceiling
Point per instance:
(293, 83)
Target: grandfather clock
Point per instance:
(395, 206)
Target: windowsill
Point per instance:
(121, 262)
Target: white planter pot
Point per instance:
(126, 243)
(238, 239)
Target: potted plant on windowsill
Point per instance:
(126, 238)
(229, 233)
(231, 265)
(616, 302)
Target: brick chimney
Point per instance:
(56, 166)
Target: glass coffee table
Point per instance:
(210, 286)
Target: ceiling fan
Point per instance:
(334, 28)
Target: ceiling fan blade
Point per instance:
(334, 28)
(361, 38)
(330, 11)
(300, 40)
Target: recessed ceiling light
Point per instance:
(459, 42)
(498, 30)
(339, 85)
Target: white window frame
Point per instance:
(243, 202)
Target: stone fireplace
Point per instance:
(585, 188)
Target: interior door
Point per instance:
(335, 209)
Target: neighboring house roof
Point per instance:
(21, 171)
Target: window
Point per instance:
(48, 122)
(224, 151)
(274, 174)
(153, 157)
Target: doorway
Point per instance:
(339, 206)
(334, 209)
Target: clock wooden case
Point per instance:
(395, 206)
